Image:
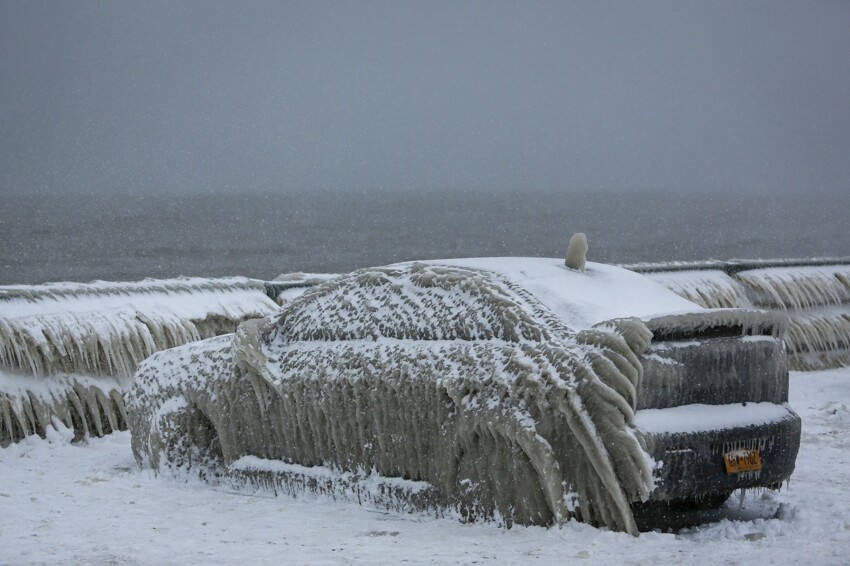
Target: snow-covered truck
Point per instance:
(513, 388)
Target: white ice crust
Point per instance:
(582, 299)
(703, 418)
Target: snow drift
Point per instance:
(453, 383)
(68, 350)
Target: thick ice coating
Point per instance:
(451, 376)
(817, 301)
(68, 350)
(709, 288)
(105, 328)
(814, 298)
(87, 405)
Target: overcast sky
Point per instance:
(200, 96)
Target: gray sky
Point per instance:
(201, 96)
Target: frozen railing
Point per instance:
(68, 350)
(814, 293)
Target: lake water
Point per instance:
(120, 237)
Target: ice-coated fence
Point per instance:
(813, 293)
(68, 350)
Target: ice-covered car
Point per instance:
(506, 387)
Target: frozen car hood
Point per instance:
(582, 299)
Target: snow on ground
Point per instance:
(90, 504)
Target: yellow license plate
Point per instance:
(740, 461)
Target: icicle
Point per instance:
(9, 432)
(29, 406)
(816, 300)
(815, 297)
(40, 411)
(819, 338)
(105, 329)
(108, 328)
(712, 289)
(742, 496)
(798, 287)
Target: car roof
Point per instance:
(582, 299)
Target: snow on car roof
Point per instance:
(582, 299)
